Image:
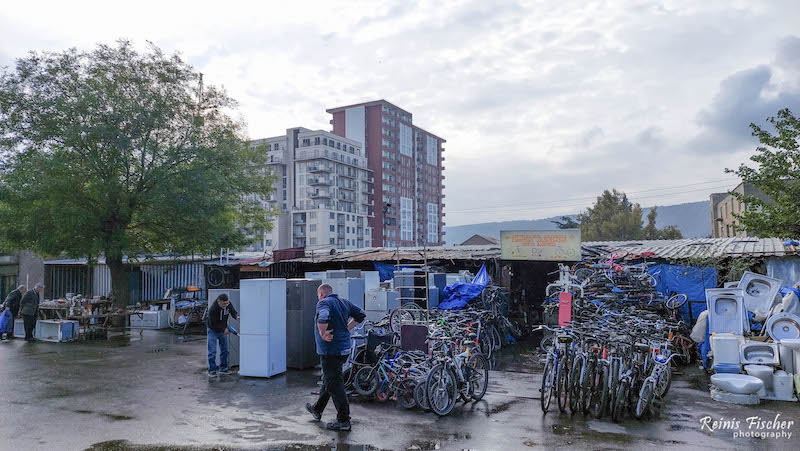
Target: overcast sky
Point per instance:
(543, 103)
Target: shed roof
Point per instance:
(695, 248)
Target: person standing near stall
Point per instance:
(29, 307)
(218, 332)
(12, 302)
(335, 318)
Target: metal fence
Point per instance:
(63, 279)
(158, 278)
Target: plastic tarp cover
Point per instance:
(689, 280)
(786, 269)
(457, 296)
(386, 270)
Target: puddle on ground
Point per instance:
(124, 445)
(110, 416)
(605, 427)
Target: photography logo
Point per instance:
(750, 427)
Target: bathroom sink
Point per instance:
(759, 353)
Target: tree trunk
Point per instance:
(119, 280)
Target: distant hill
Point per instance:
(692, 219)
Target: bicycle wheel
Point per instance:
(575, 386)
(405, 394)
(600, 393)
(420, 395)
(621, 400)
(479, 376)
(587, 388)
(548, 379)
(645, 398)
(442, 391)
(402, 315)
(497, 341)
(664, 381)
(382, 393)
(562, 386)
(365, 381)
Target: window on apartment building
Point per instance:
(338, 145)
(405, 140)
(316, 141)
(312, 215)
(313, 240)
(333, 228)
(325, 141)
(333, 215)
(333, 241)
(406, 219)
(312, 227)
(432, 150)
(433, 223)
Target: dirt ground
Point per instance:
(150, 392)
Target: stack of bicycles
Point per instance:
(616, 356)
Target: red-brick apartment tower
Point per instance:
(408, 168)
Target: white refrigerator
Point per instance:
(263, 327)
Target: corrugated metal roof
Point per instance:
(407, 253)
(696, 248)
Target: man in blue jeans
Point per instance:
(335, 318)
(218, 315)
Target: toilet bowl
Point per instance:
(758, 353)
(727, 368)
(740, 384)
(794, 345)
(764, 373)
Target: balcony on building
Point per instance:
(320, 194)
(319, 168)
(319, 181)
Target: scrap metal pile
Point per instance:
(617, 341)
(431, 360)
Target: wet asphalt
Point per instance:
(150, 392)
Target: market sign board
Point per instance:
(542, 245)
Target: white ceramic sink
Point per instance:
(737, 383)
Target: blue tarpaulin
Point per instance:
(386, 270)
(689, 280)
(459, 294)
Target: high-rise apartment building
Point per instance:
(407, 163)
(323, 191)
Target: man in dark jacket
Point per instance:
(218, 315)
(13, 301)
(29, 307)
(335, 318)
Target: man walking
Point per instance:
(12, 302)
(335, 318)
(29, 307)
(218, 315)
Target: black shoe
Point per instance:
(338, 426)
(212, 373)
(317, 416)
(225, 371)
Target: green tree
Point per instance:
(613, 217)
(777, 174)
(651, 232)
(566, 222)
(119, 152)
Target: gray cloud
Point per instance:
(748, 96)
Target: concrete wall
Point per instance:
(31, 268)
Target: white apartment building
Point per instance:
(324, 192)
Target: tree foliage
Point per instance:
(614, 217)
(119, 152)
(566, 222)
(777, 174)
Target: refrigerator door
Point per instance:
(254, 299)
(254, 355)
(277, 327)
